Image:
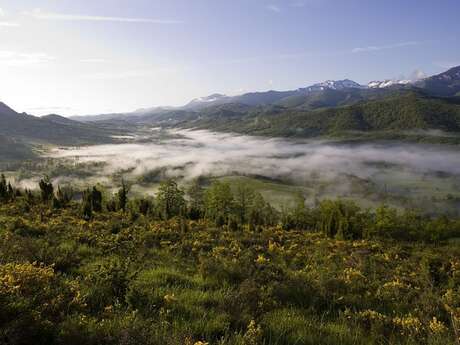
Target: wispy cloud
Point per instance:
(274, 8)
(383, 47)
(317, 54)
(39, 14)
(13, 59)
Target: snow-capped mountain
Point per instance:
(334, 85)
(446, 83)
(386, 83)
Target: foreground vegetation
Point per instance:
(221, 266)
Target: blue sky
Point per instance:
(86, 56)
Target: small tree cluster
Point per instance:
(7, 192)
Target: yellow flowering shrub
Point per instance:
(408, 325)
(253, 335)
(436, 327)
(25, 278)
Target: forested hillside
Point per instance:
(216, 266)
(403, 111)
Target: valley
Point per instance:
(422, 176)
(390, 142)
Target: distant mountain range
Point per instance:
(329, 93)
(328, 108)
(325, 108)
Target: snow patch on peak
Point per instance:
(334, 85)
(386, 83)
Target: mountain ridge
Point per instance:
(53, 129)
(435, 85)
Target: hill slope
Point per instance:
(443, 84)
(49, 129)
(403, 111)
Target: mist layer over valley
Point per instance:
(417, 175)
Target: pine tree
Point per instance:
(63, 197)
(144, 206)
(87, 207)
(46, 189)
(96, 200)
(195, 195)
(9, 192)
(123, 196)
(3, 188)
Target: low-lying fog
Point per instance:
(402, 174)
(191, 153)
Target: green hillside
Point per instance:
(401, 112)
(11, 149)
(333, 98)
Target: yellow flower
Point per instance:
(436, 327)
(272, 246)
(371, 315)
(408, 324)
(352, 274)
(170, 298)
(261, 259)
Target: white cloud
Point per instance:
(417, 75)
(39, 14)
(274, 8)
(2, 12)
(389, 46)
(12, 58)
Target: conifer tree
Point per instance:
(87, 207)
(96, 200)
(3, 188)
(123, 196)
(46, 189)
(195, 195)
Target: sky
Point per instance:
(79, 57)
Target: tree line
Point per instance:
(240, 206)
